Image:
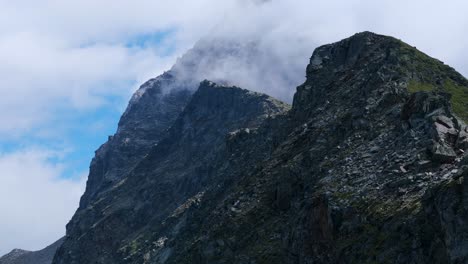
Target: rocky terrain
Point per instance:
(366, 166)
(184, 162)
(19, 256)
(159, 101)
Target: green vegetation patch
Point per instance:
(429, 71)
(422, 63)
(459, 95)
(415, 86)
(459, 99)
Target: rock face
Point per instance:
(173, 174)
(368, 166)
(150, 113)
(43, 256)
(159, 101)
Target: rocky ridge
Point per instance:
(368, 166)
(175, 170)
(158, 102)
(19, 256)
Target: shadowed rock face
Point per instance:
(151, 111)
(176, 170)
(368, 166)
(158, 102)
(43, 256)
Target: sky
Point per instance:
(68, 69)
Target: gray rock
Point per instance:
(447, 122)
(462, 141)
(423, 164)
(442, 153)
(151, 111)
(183, 163)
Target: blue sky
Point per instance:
(81, 132)
(63, 95)
(76, 132)
(68, 69)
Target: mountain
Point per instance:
(366, 166)
(158, 102)
(44, 256)
(173, 173)
(150, 113)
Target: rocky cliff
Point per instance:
(158, 102)
(172, 175)
(367, 166)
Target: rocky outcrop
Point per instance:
(151, 111)
(44, 256)
(347, 183)
(157, 103)
(368, 166)
(357, 165)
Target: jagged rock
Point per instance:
(464, 161)
(423, 164)
(183, 164)
(445, 121)
(443, 153)
(446, 206)
(151, 111)
(462, 141)
(423, 105)
(426, 107)
(444, 133)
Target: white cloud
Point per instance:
(39, 76)
(74, 52)
(35, 202)
(287, 31)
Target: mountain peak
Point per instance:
(355, 68)
(20, 256)
(13, 255)
(186, 162)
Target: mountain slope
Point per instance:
(150, 113)
(371, 172)
(43, 256)
(175, 171)
(158, 102)
(368, 166)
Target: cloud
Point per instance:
(32, 191)
(265, 45)
(74, 54)
(40, 76)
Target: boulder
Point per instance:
(442, 153)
